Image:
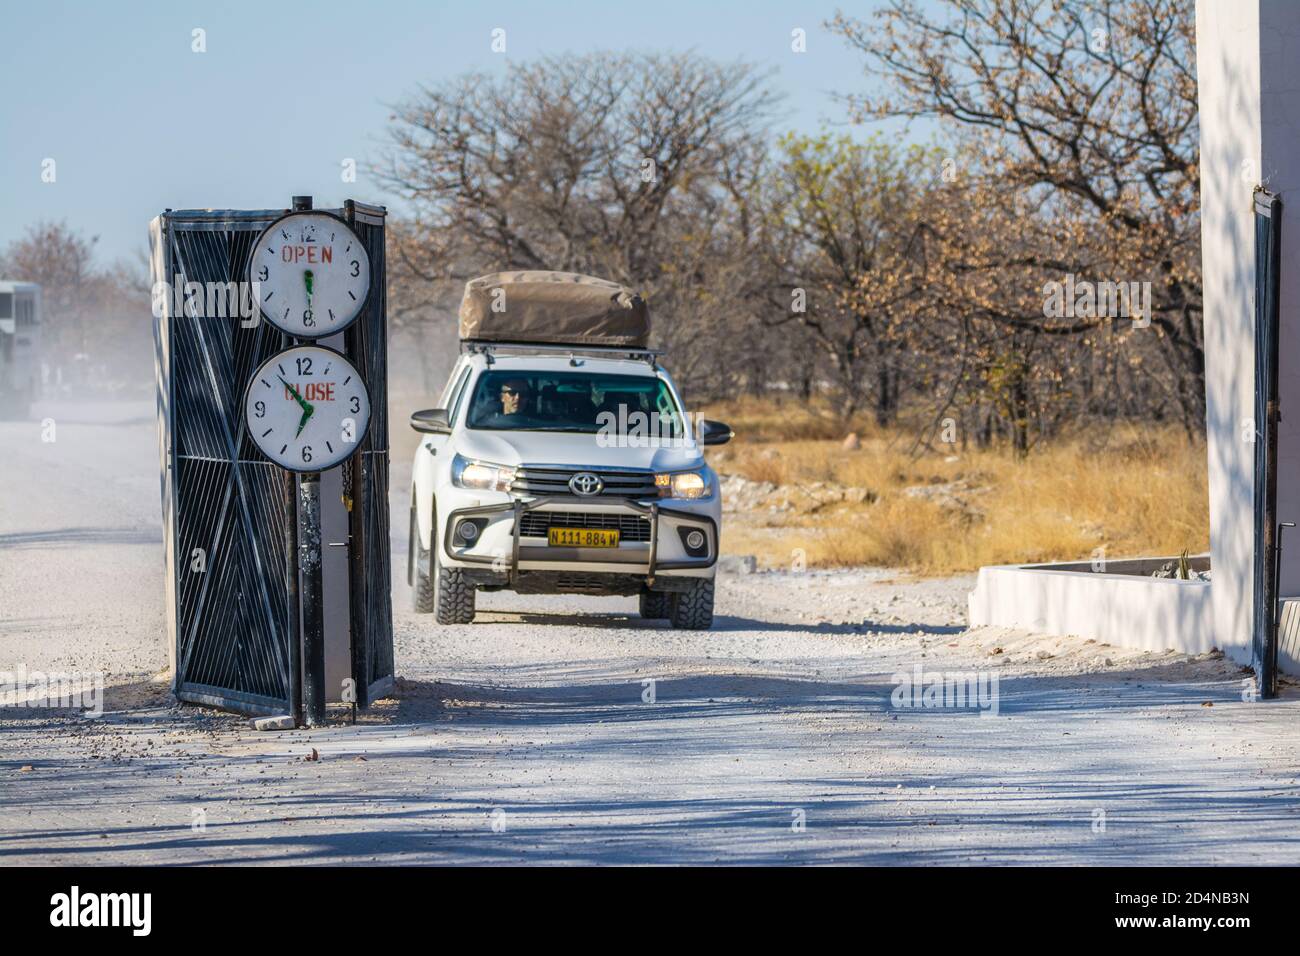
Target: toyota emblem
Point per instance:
(586, 484)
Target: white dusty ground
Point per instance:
(525, 737)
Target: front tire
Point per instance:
(692, 610)
(436, 590)
(655, 605)
(452, 595)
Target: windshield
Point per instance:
(524, 400)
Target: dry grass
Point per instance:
(1138, 492)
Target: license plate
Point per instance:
(582, 537)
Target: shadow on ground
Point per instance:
(1011, 803)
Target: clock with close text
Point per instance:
(307, 408)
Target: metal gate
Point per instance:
(1268, 216)
(228, 514)
(371, 553)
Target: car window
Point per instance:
(514, 400)
(454, 381)
(457, 398)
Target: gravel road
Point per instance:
(566, 730)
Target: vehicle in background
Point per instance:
(20, 346)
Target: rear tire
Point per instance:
(692, 610)
(655, 605)
(419, 571)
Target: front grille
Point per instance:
(533, 480)
(535, 524)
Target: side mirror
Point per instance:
(715, 433)
(431, 421)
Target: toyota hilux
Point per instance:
(564, 469)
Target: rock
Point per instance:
(280, 722)
(952, 494)
(740, 494)
(737, 564)
(1170, 570)
(851, 442)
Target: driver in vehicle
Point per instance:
(514, 395)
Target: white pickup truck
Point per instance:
(564, 469)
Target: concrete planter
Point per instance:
(1122, 605)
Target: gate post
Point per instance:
(313, 619)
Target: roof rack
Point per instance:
(488, 349)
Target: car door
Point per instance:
(430, 457)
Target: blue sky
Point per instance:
(136, 122)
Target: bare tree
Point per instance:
(1090, 103)
(847, 220)
(61, 261)
(625, 166)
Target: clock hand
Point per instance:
(296, 397)
(307, 278)
(302, 422)
(307, 408)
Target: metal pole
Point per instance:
(313, 618)
(293, 605)
(1267, 371)
(359, 625)
(312, 592)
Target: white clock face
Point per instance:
(312, 274)
(307, 408)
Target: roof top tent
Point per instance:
(233, 615)
(553, 308)
(20, 347)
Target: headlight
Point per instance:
(482, 475)
(683, 484)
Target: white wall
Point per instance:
(1232, 151)
(1150, 614)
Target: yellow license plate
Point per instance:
(582, 537)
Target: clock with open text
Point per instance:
(311, 274)
(307, 408)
